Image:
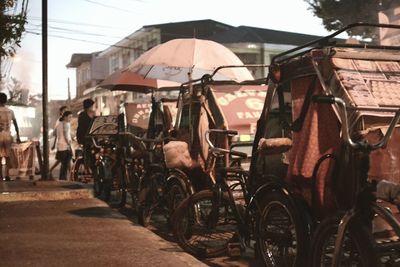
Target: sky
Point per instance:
(85, 26)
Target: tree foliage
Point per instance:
(12, 25)
(336, 14)
(18, 95)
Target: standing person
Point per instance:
(84, 121)
(64, 141)
(6, 117)
(60, 112)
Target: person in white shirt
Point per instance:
(64, 141)
(61, 110)
(6, 117)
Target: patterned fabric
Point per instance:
(23, 159)
(319, 135)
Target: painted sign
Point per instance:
(241, 106)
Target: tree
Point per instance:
(336, 14)
(12, 25)
(18, 95)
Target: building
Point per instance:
(91, 69)
(252, 45)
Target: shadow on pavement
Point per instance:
(72, 186)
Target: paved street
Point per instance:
(80, 232)
(59, 224)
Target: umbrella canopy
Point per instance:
(181, 60)
(129, 81)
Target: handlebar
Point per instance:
(95, 144)
(227, 132)
(148, 140)
(330, 99)
(223, 150)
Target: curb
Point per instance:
(45, 195)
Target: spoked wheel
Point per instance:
(176, 194)
(203, 229)
(149, 197)
(117, 191)
(135, 173)
(358, 248)
(98, 180)
(281, 234)
(79, 172)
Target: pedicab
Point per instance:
(324, 149)
(175, 61)
(137, 127)
(214, 218)
(109, 181)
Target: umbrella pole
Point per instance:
(190, 109)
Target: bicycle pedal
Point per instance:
(234, 249)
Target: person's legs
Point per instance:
(1, 168)
(7, 168)
(65, 164)
(54, 166)
(7, 147)
(63, 167)
(63, 170)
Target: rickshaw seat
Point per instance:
(273, 146)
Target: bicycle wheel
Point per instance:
(281, 234)
(200, 228)
(135, 173)
(149, 198)
(176, 193)
(115, 189)
(98, 180)
(358, 248)
(79, 173)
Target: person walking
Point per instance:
(6, 117)
(64, 141)
(61, 112)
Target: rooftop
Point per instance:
(246, 34)
(78, 58)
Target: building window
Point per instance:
(114, 63)
(126, 58)
(152, 43)
(138, 51)
(248, 58)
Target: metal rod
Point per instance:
(45, 169)
(326, 38)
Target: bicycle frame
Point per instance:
(365, 206)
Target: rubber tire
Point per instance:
(144, 209)
(180, 234)
(75, 170)
(122, 186)
(301, 227)
(359, 233)
(173, 187)
(134, 183)
(98, 185)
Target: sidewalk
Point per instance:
(81, 231)
(23, 190)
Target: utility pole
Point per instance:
(45, 167)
